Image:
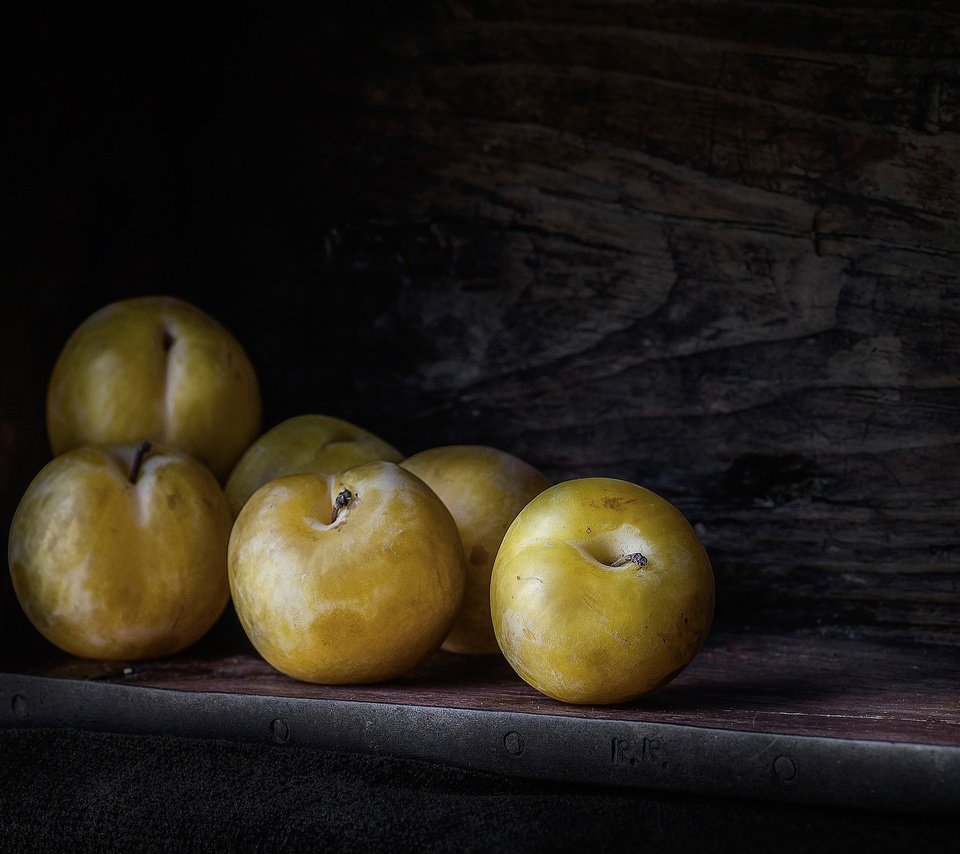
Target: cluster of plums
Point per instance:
(346, 560)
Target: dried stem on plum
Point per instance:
(342, 500)
(636, 558)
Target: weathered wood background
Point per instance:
(711, 247)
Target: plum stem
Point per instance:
(342, 500)
(636, 558)
(142, 450)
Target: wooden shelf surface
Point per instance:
(807, 718)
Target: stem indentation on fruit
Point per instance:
(142, 450)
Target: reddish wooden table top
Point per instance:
(783, 685)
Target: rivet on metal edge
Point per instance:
(785, 769)
(513, 743)
(279, 731)
(20, 707)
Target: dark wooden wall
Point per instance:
(710, 247)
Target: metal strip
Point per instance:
(863, 774)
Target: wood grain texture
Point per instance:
(710, 247)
